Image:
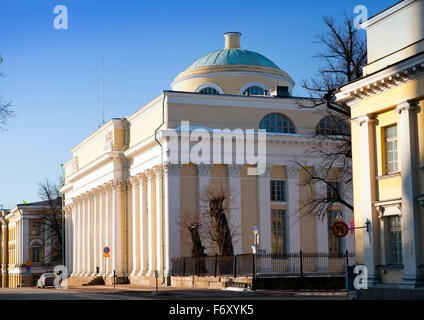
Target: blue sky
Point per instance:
(53, 77)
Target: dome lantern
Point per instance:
(232, 40)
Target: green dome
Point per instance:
(233, 56)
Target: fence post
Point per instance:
(216, 265)
(235, 266)
(254, 271)
(347, 257)
(301, 264)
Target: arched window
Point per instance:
(254, 91)
(332, 126)
(208, 90)
(276, 123)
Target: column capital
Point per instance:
(293, 171)
(368, 118)
(171, 169)
(406, 106)
(116, 183)
(234, 170)
(204, 170)
(90, 194)
(267, 171)
(142, 178)
(97, 191)
(134, 180)
(150, 175)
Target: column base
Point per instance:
(411, 282)
(373, 281)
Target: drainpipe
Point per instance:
(122, 157)
(162, 191)
(63, 217)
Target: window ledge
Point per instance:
(390, 266)
(389, 176)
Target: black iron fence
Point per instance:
(301, 264)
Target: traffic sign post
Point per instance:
(254, 250)
(340, 229)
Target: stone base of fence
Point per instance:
(207, 282)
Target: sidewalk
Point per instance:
(119, 288)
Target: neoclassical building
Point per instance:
(28, 249)
(128, 184)
(388, 149)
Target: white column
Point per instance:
(18, 241)
(135, 216)
(102, 219)
(89, 232)
(85, 235)
(75, 237)
(151, 221)
(80, 235)
(159, 227)
(234, 182)
(264, 210)
(70, 241)
(65, 235)
(368, 195)
(143, 224)
(108, 226)
(411, 216)
(116, 249)
(172, 215)
(204, 173)
(321, 224)
(26, 239)
(293, 208)
(96, 226)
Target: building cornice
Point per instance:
(278, 76)
(263, 102)
(384, 14)
(381, 81)
(93, 165)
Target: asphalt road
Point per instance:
(101, 293)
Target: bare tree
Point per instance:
(51, 222)
(343, 57)
(5, 108)
(190, 223)
(215, 206)
(209, 228)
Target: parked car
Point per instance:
(46, 279)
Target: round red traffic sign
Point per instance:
(106, 249)
(340, 229)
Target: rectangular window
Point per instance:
(335, 246)
(36, 254)
(394, 231)
(333, 190)
(278, 232)
(36, 228)
(278, 191)
(391, 145)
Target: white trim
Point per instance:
(209, 85)
(382, 15)
(234, 74)
(253, 84)
(397, 75)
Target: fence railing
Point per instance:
(301, 264)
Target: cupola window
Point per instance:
(208, 91)
(276, 123)
(254, 91)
